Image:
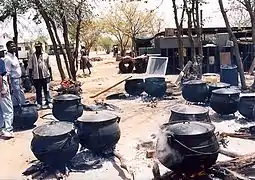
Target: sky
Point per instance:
(29, 30)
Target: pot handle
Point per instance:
(118, 119)
(172, 138)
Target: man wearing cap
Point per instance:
(14, 71)
(41, 74)
(6, 107)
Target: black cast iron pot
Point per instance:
(195, 91)
(247, 105)
(155, 86)
(67, 107)
(98, 131)
(55, 144)
(189, 112)
(187, 147)
(225, 101)
(215, 86)
(25, 116)
(134, 87)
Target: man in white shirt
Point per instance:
(14, 71)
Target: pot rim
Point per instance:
(205, 110)
(69, 97)
(163, 127)
(53, 122)
(226, 91)
(214, 85)
(94, 117)
(194, 82)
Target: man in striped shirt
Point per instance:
(41, 74)
(6, 106)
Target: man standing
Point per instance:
(14, 71)
(84, 62)
(41, 74)
(6, 107)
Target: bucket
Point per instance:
(229, 74)
(211, 78)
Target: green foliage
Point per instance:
(106, 42)
(8, 7)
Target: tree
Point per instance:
(179, 26)
(13, 8)
(63, 14)
(106, 43)
(90, 33)
(249, 7)
(126, 21)
(236, 48)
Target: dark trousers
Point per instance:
(40, 84)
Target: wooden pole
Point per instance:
(105, 90)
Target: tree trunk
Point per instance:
(77, 36)
(179, 34)
(236, 48)
(191, 40)
(199, 38)
(61, 48)
(47, 22)
(15, 30)
(68, 49)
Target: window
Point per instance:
(27, 48)
(19, 48)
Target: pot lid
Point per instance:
(247, 95)
(189, 109)
(55, 128)
(194, 82)
(190, 128)
(93, 116)
(66, 97)
(227, 91)
(219, 85)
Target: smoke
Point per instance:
(166, 155)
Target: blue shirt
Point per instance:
(2, 68)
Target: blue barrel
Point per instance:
(229, 74)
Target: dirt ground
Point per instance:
(139, 123)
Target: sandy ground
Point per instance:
(139, 123)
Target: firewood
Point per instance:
(123, 163)
(156, 171)
(238, 164)
(229, 153)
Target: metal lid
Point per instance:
(189, 109)
(55, 128)
(227, 91)
(194, 82)
(93, 116)
(219, 85)
(66, 97)
(190, 128)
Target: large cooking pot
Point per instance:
(98, 131)
(55, 144)
(24, 116)
(184, 112)
(67, 107)
(155, 86)
(225, 101)
(215, 86)
(187, 147)
(247, 105)
(134, 86)
(195, 91)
